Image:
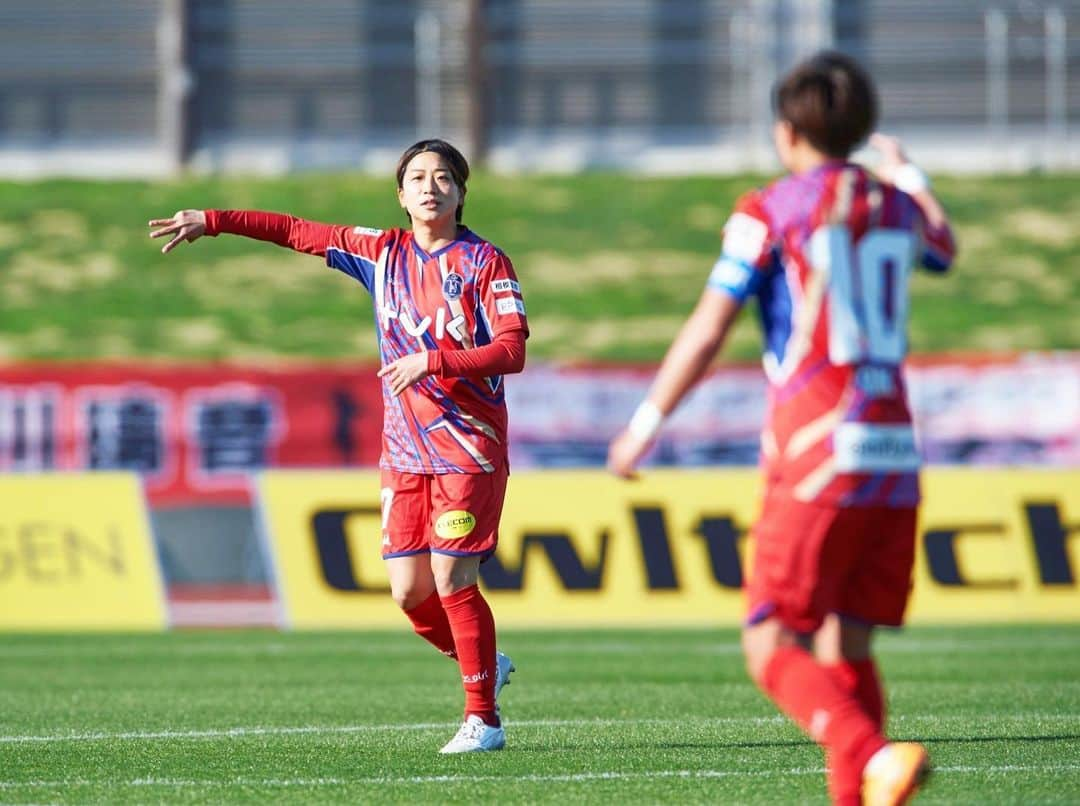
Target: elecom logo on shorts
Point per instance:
(455, 524)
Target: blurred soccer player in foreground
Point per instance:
(826, 251)
(450, 322)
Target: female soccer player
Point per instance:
(450, 322)
(826, 251)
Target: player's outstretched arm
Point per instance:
(301, 235)
(185, 225)
(699, 340)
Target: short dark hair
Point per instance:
(830, 100)
(455, 160)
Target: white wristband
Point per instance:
(911, 179)
(646, 421)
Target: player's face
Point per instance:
(428, 191)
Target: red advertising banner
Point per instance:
(196, 432)
(193, 432)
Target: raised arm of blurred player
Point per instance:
(895, 168)
(699, 340)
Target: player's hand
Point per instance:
(186, 225)
(892, 155)
(624, 453)
(404, 372)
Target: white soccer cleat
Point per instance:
(475, 736)
(503, 667)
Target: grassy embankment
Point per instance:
(610, 266)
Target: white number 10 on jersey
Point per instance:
(868, 292)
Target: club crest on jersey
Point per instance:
(452, 285)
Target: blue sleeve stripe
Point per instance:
(356, 266)
(738, 278)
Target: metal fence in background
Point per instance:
(154, 86)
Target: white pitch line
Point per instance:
(472, 779)
(286, 730)
(692, 645)
(240, 732)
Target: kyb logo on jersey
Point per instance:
(387, 314)
(455, 524)
(418, 329)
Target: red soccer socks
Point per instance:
(473, 628)
(429, 620)
(831, 715)
(868, 690)
(860, 679)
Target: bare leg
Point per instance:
(412, 585)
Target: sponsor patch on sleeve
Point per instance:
(505, 285)
(366, 231)
(510, 305)
(745, 237)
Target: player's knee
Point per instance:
(453, 575)
(755, 665)
(753, 656)
(444, 579)
(759, 642)
(409, 595)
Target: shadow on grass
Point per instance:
(722, 745)
(1062, 737)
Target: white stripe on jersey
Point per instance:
(385, 314)
(467, 446)
(455, 304)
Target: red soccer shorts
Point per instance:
(445, 513)
(812, 560)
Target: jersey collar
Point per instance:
(463, 234)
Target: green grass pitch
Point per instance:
(592, 717)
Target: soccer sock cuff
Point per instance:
(430, 622)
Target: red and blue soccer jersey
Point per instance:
(459, 297)
(462, 296)
(827, 253)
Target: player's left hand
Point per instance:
(892, 155)
(404, 372)
(624, 453)
(185, 225)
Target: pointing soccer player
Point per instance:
(450, 323)
(826, 251)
